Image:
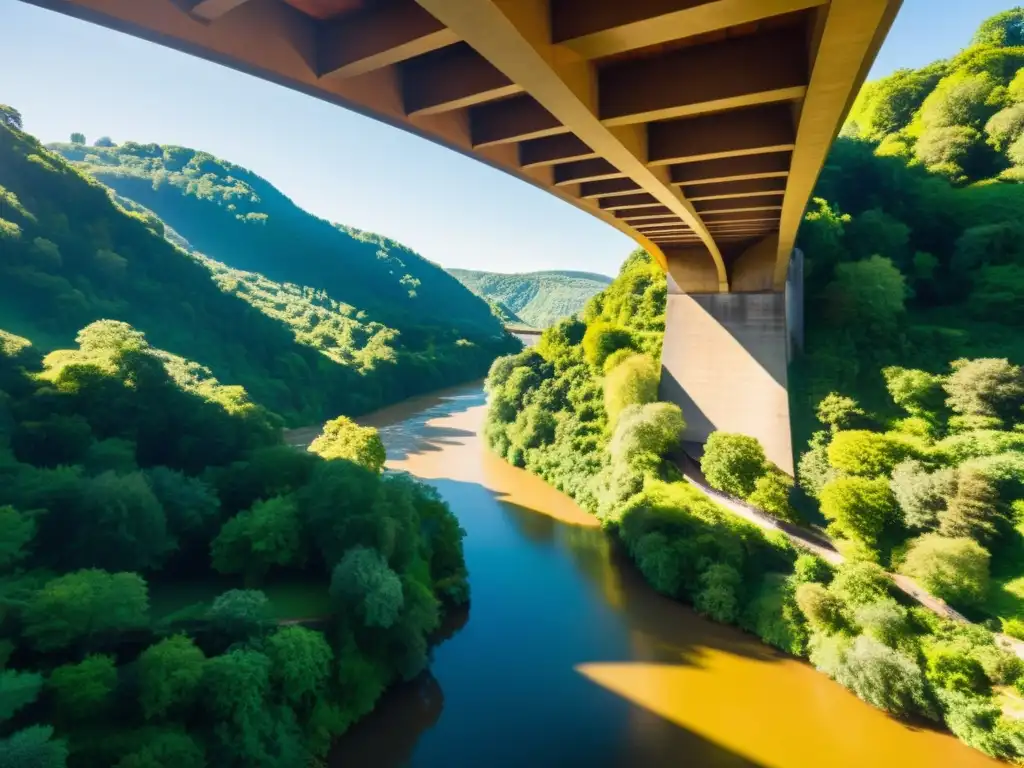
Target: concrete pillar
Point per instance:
(724, 362)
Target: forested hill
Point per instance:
(537, 298)
(238, 218)
(914, 259)
(961, 117)
(72, 256)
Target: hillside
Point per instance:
(71, 256)
(961, 117)
(537, 298)
(946, 227)
(230, 214)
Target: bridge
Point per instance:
(697, 127)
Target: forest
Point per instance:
(907, 408)
(536, 299)
(74, 255)
(120, 472)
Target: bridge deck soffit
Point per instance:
(697, 127)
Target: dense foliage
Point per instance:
(962, 117)
(72, 256)
(121, 471)
(538, 299)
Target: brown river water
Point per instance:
(567, 658)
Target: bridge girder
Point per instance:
(697, 127)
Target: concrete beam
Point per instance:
(766, 166)
(742, 188)
(599, 28)
(516, 38)
(451, 78)
(653, 214)
(852, 33)
(728, 205)
(580, 171)
(728, 74)
(727, 134)
(593, 190)
(552, 150)
(379, 38)
(511, 120)
(638, 200)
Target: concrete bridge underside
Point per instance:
(697, 127)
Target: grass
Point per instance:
(290, 598)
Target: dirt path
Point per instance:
(821, 546)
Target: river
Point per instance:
(567, 658)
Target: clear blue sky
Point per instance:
(66, 75)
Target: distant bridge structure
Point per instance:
(697, 127)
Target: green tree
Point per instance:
(602, 339)
(922, 495)
(252, 542)
(858, 508)
(78, 138)
(645, 433)
(364, 585)
(123, 526)
(634, 381)
(885, 620)
(17, 530)
(858, 584)
(342, 438)
(237, 685)
(300, 663)
(957, 570)
(83, 606)
(838, 412)
(84, 691)
(975, 511)
(1005, 29)
(718, 597)
(862, 452)
(985, 387)
(732, 463)
(33, 747)
(17, 690)
(822, 609)
(867, 297)
(240, 614)
(772, 493)
(885, 678)
(170, 674)
(919, 393)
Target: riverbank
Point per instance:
(569, 658)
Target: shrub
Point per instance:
(954, 569)
(772, 494)
(634, 381)
(732, 463)
(602, 339)
(858, 508)
(342, 438)
(885, 678)
(861, 452)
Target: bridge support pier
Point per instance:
(725, 361)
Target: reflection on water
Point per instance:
(570, 659)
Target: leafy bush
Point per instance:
(733, 463)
